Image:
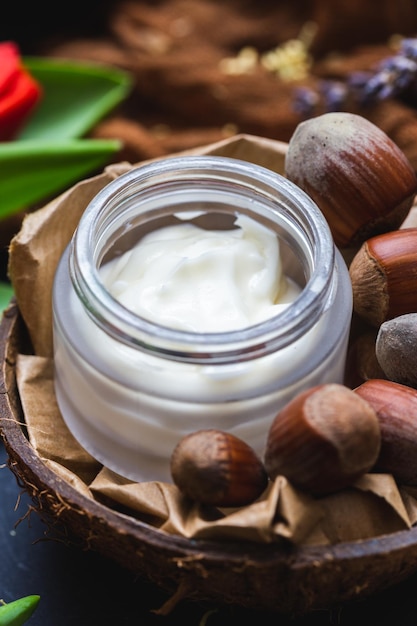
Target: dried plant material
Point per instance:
(292, 60)
(189, 91)
(356, 21)
(135, 138)
(289, 61)
(399, 121)
(244, 62)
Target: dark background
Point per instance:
(30, 23)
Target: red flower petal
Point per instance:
(9, 65)
(17, 103)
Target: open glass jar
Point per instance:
(129, 388)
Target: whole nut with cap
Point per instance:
(323, 439)
(396, 409)
(384, 276)
(215, 467)
(359, 178)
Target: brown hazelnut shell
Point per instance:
(396, 408)
(217, 468)
(323, 439)
(384, 276)
(360, 179)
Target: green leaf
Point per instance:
(50, 155)
(18, 612)
(6, 293)
(76, 95)
(31, 171)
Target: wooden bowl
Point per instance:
(267, 577)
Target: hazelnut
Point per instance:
(396, 351)
(217, 468)
(384, 277)
(359, 178)
(323, 439)
(396, 409)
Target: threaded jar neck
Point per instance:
(204, 188)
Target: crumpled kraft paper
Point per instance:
(375, 505)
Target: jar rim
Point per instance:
(198, 347)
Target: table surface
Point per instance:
(84, 589)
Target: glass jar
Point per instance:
(128, 388)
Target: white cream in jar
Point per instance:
(189, 278)
(131, 381)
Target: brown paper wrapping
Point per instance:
(375, 505)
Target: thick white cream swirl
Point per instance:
(189, 278)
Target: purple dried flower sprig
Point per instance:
(409, 48)
(395, 76)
